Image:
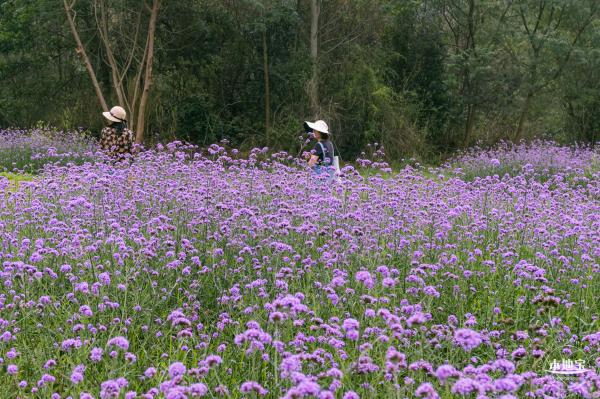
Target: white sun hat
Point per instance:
(116, 114)
(319, 126)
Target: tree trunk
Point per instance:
(523, 117)
(470, 126)
(137, 82)
(83, 54)
(313, 84)
(267, 90)
(141, 115)
(103, 31)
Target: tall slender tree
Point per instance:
(122, 49)
(552, 30)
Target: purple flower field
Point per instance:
(544, 157)
(30, 150)
(203, 274)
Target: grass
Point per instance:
(15, 179)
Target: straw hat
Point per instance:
(319, 126)
(116, 114)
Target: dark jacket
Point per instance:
(325, 158)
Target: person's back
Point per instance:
(116, 139)
(326, 156)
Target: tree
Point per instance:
(313, 83)
(81, 51)
(552, 30)
(416, 67)
(580, 90)
(38, 80)
(477, 30)
(131, 89)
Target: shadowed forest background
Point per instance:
(422, 77)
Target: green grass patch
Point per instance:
(15, 179)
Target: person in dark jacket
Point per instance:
(321, 159)
(116, 139)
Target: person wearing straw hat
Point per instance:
(116, 139)
(322, 157)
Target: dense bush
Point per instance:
(423, 77)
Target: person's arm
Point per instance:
(316, 155)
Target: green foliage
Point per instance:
(416, 66)
(424, 77)
(581, 91)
